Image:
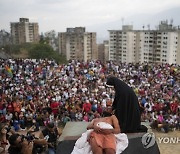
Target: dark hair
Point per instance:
(106, 114)
(12, 139)
(50, 125)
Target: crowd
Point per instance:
(36, 92)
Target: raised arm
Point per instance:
(116, 129)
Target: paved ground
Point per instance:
(166, 148)
(163, 138)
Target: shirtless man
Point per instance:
(104, 140)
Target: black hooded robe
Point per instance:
(127, 109)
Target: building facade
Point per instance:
(122, 44)
(5, 38)
(24, 31)
(103, 51)
(78, 44)
(152, 46)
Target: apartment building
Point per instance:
(5, 38)
(153, 46)
(103, 51)
(122, 44)
(159, 46)
(146, 44)
(24, 31)
(78, 44)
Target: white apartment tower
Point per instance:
(122, 45)
(24, 31)
(146, 46)
(77, 44)
(152, 46)
(158, 46)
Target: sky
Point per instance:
(59, 14)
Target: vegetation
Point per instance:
(43, 50)
(36, 51)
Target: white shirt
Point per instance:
(9, 116)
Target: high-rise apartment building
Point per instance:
(106, 50)
(122, 44)
(153, 46)
(103, 51)
(158, 46)
(78, 44)
(24, 31)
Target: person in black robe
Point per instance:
(126, 106)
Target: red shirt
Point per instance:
(55, 107)
(141, 92)
(87, 107)
(2, 119)
(158, 107)
(32, 106)
(17, 107)
(10, 108)
(99, 110)
(174, 107)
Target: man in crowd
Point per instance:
(51, 134)
(20, 145)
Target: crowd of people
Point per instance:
(36, 92)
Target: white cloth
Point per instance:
(82, 146)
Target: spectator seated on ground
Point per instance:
(160, 126)
(171, 123)
(51, 134)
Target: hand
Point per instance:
(27, 147)
(3, 131)
(97, 129)
(51, 145)
(30, 145)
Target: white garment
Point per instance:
(82, 146)
(9, 116)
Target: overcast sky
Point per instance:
(60, 14)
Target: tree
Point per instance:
(43, 50)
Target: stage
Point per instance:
(73, 131)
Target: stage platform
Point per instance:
(73, 131)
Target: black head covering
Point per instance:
(126, 105)
(111, 81)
